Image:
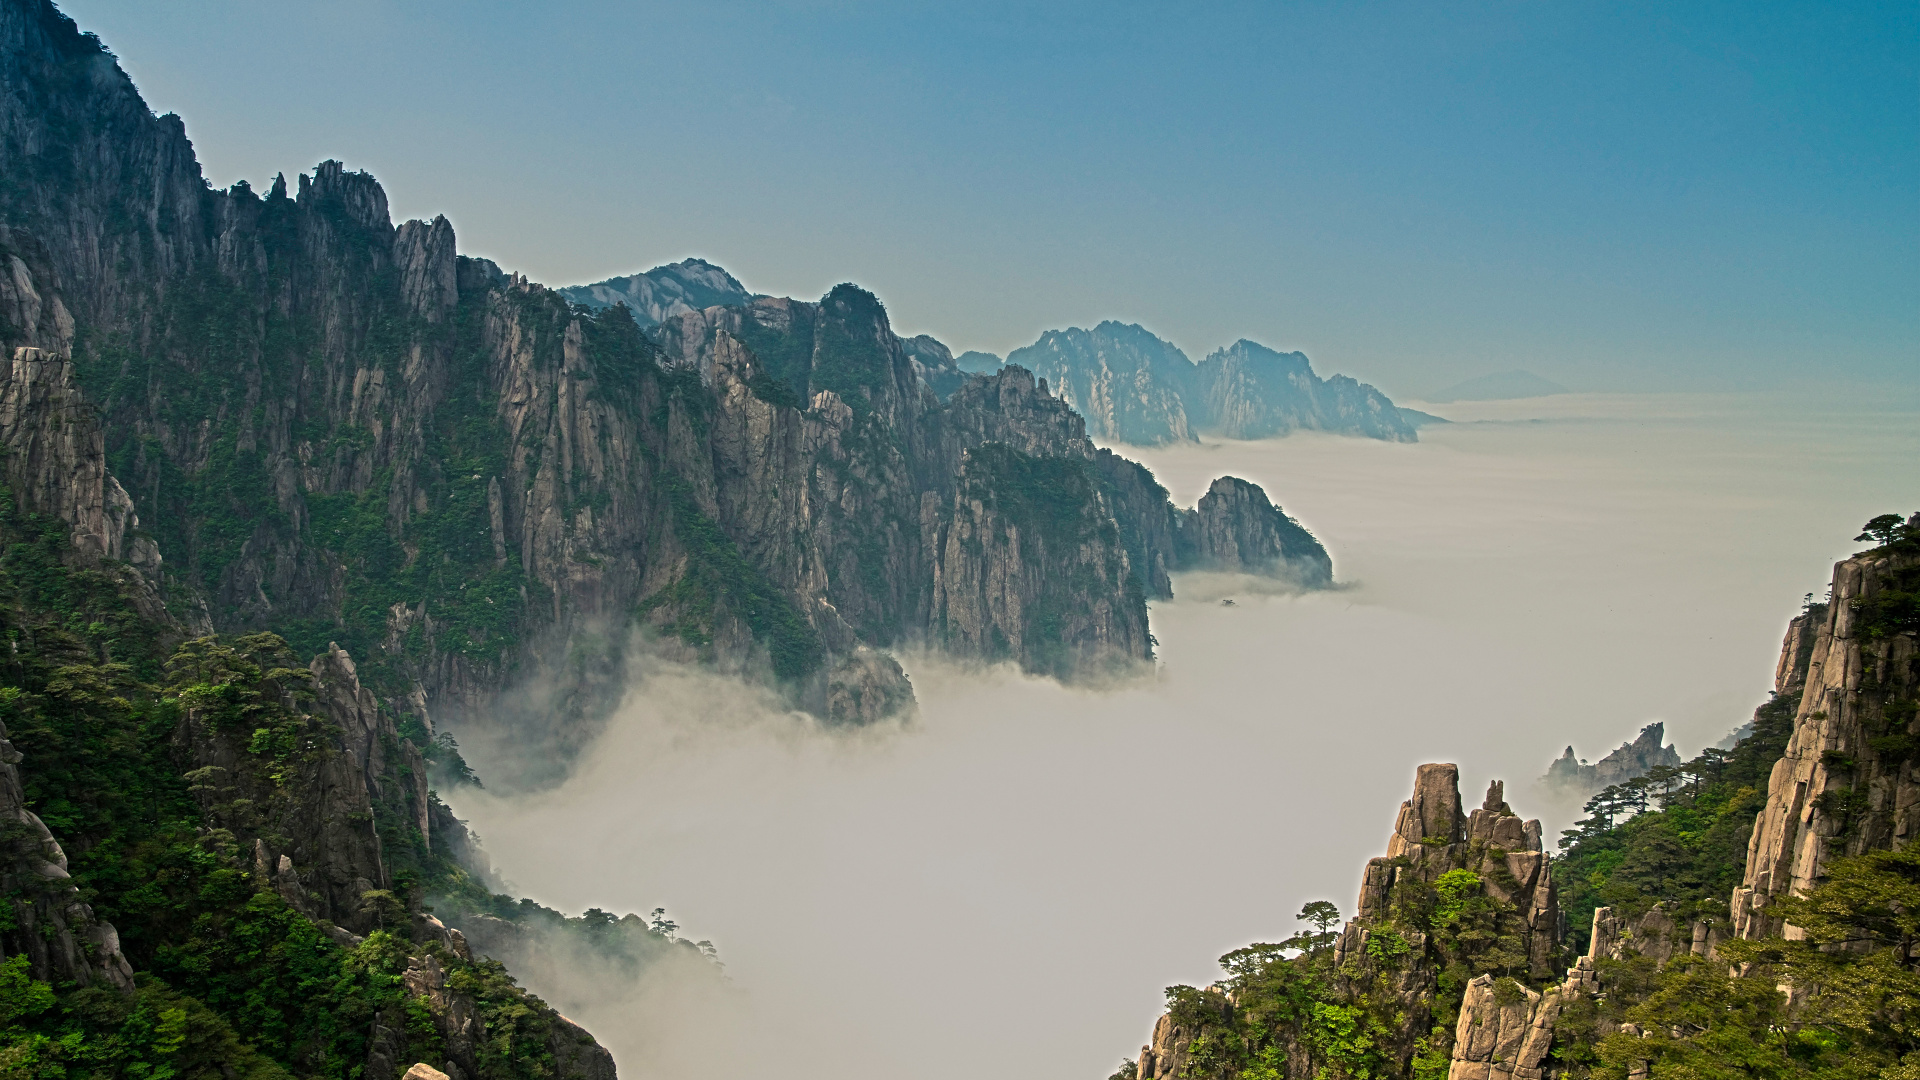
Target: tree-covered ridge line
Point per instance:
(1658, 976)
(169, 768)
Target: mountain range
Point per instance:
(1130, 386)
(293, 491)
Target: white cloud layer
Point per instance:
(1004, 887)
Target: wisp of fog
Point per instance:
(1005, 884)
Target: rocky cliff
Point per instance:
(1459, 896)
(48, 923)
(253, 836)
(1235, 528)
(1127, 383)
(1456, 965)
(1846, 784)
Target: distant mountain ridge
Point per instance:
(1131, 386)
(1134, 387)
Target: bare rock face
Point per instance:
(1236, 529)
(1024, 537)
(1846, 784)
(866, 688)
(1125, 381)
(1432, 836)
(1496, 1039)
(63, 940)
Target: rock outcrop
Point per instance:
(309, 817)
(1847, 783)
(1389, 960)
(1432, 836)
(1570, 776)
(1235, 528)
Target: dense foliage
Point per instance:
(233, 983)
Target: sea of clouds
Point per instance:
(1004, 885)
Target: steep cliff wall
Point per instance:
(1126, 382)
(1846, 783)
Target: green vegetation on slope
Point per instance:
(232, 981)
(717, 578)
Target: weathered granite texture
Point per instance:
(1847, 781)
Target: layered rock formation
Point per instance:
(1574, 778)
(664, 291)
(1136, 388)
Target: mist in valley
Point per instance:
(1004, 884)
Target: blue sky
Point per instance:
(1618, 196)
